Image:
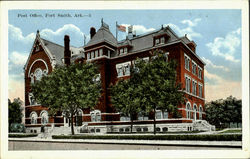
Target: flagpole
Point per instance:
(116, 29)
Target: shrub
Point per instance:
(220, 137)
(22, 135)
(16, 127)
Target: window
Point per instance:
(123, 69)
(142, 117)
(200, 113)
(161, 115)
(96, 53)
(124, 118)
(188, 109)
(125, 50)
(38, 74)
(199, 72)
(200, 90)
(188, 82)
(121, 51)
(127, 70)
(157, 41)
(195, 111)
(95, 115)
(194, 87)
(109, 53)
(194, 68)
(88, 56)
(92, 55)
(32, 78)
(162, 40)
(187, 62)
(44, 117)
(100, 52)
(32, 99)
(33, 117)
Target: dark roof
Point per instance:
(56, 50)
(103, 35)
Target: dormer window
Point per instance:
(121, 51)
(100, 52)
(162, 40)
(157, 41)
(96, 53)
(125, 50)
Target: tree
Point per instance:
(159, 84)
(220, 112)
(152, 86)
(127, 97)
(68, 89)
(15, 111)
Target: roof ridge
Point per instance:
(51, 42)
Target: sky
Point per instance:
(217, 34)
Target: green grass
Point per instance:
(219, 137)
(231, 131)
(22, 135)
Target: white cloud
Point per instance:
(62, 31)
(17, 58)
(17, 34)
(191, 23)
(140, 29)
(212, 65)
(226, 46)
(221, 88)
(188, 30)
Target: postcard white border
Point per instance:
(243, 5)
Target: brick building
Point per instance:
(115, 58)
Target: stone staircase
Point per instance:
(61, 130)
(203, 125)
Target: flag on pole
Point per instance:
(121, 28)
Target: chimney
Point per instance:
(92, 32)
(67, 54)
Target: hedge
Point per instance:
(219, 137)
(22, 135)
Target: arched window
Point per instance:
(33, 117)
(195, 111)
(32, 99)
(44, 117)
(95, 115)
(200, 114)
(188, 109)
(38, 74)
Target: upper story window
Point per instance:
(162, 40)
(157, 41)
(38, 74)
(92, 55)
(199, 72)
(121, 51)
(194, 87)
(33, 117)
(100, 52)
(200, 90)
(96, 53)
(125, 50)
(123, 69)
(188, 83)
(88, 56)
(194, 68)
(161, 115)
(109, 53)
(187, 62)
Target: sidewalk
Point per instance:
(237, 144)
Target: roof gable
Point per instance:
(102, 35)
